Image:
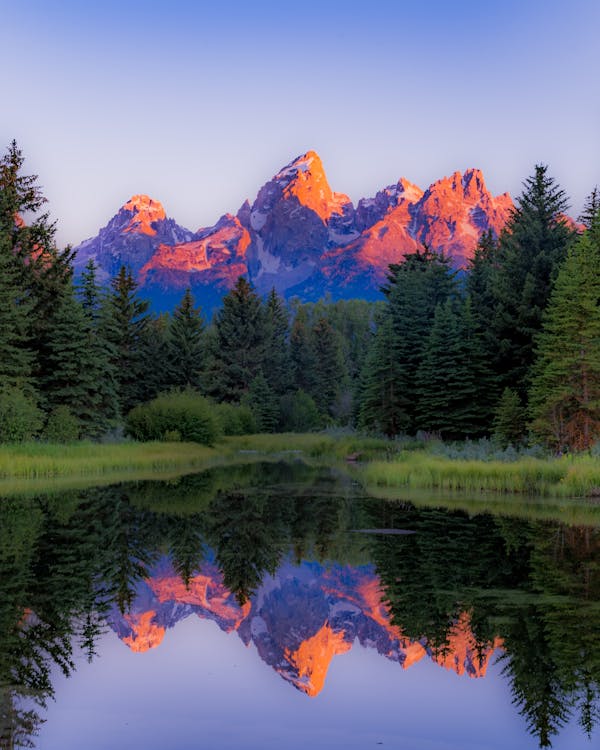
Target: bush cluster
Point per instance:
(235, 419)
(181, 415)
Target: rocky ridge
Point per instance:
(298, 236)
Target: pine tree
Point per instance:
(124, 322)
(591, 209)
(453, 381)
(565, 392)
(240, 343)
(185, 343)
(531, 248)
(103, 352)
(302, 353)
(509, 419)
(73, 375)
(329, 374)
(383, 407)
(264, 404)
(89, 292)
(277, 365)
(154, 358)
(33, 271)
(16, 354)
(414, 289)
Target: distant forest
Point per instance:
(511, 348)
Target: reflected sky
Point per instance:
(204, 688)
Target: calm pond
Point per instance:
(277, 606)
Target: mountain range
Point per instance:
(297, 621)
(297, 236)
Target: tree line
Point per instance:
(512, 346)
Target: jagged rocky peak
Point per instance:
(145, 212)
(304, 179)
(371, 210)
(131, 237)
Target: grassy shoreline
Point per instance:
(382, 464)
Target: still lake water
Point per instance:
(276, 606)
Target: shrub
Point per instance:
(235, 419)
(20, 418)
(299, 413)
(186, 412)
(62, 426)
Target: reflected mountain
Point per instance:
(298, 620)
(270, 553)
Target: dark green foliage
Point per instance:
(415, 288)
(154, 358)
(263, 403)
(383, 405)
(235, 419)
(532, 247)
(62, 426)
(185, 346)
(276, 364)
(302, 354)
(299, 413)
(187, 413)
(17, 357)
(102, 352)
(239, 343)
(509, 419)
(75, 364)
(565, 391)
(32, 273)
(124, 326)
(20, 418)
(329, 375)
(453, 381)
(591, 209)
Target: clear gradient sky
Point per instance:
(198, 103)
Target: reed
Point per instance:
(46, 460)
(560, 477)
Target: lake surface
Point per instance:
(278, 606)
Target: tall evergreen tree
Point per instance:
(302, 353)
(453, 380)
(154, 358)
(565, 392)
(591, 209)
(531, 248)
(103, 351)
(414, 289)
(264, 404)
(71, 378)
(239, 343)
(329, 372)
(124, 322)
(383, 406)
(16, 354)
(185, 343)
(34, 271)
(277, 365)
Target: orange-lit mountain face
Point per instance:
(298, 621)
(299, 236)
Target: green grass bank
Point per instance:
(381, 464)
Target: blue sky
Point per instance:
(198, 104)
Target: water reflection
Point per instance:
(266, 551)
